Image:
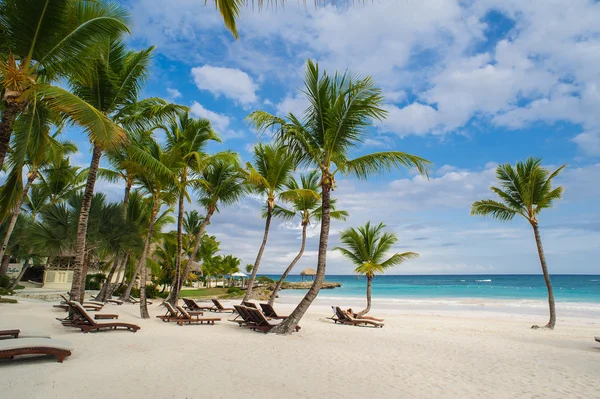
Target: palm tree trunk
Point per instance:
(179, 238)
(4, 264)
(538, 241)
(20, 276)
(291, 266)
(103, 294)
(368, 308)
(142, 264)
(13, 219)
(128, 185)
(260, 252)
(176, 287)
(289, 325)
(9, 115)
(77, 286)
(120, 280)
(127, 293)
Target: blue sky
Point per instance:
(468, 85)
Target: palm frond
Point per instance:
(377, 163)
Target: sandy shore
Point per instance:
(449, 354)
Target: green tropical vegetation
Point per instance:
(525, 190)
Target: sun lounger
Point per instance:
(171, 314)
(345, 318)
(187, 318)
(597, 338)
(10, 348)
(270, 312)
(220, 308)
(9, 334)
(261, 321)
(190, 304)
(91, 306)
(243, 318)
(137, 300)
(249, 304)
(86, 323)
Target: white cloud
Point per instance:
(415, 118)
(219, 121)
(230, 82)
(588, 142)
(173, 94)
(295, 104)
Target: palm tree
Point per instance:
(341, 109)
(161, 191)
(307, 208)
(222, 184)
(525, 190)
(271, 173)
(42, 41)
(187, 139)
(366, 247)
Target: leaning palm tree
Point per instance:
(42, 41)
(222, 184)
(366, 246)
(307, 208)
(342, 108)
(187, 139)
(270, 175)
(525, 190)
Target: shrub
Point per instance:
(121, 289)
(94, 281)
(4, 281)
(8, 300)
(152, 291)
(265, 280)
(234, 290)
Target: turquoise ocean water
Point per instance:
(567, 288)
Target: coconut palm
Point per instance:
(269, 177)
(161, 191)
(42, 41)
(187, 139)
(342, 108)
(525, 190)
(223, 184)
(367, 246)
(308, 209)
(57, 182)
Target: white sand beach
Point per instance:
(423, 356)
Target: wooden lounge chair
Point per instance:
(10, 348)
(243, 318)
(137, 300)
(64, 305)
(261, 321)
(9, 334)
(187, 318)
(345, 318)
(86, 323)
(192, 305)
(172, 315)
(219, 308)
(249, 304)
(270, 312)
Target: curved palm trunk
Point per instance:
(127, 293)
(103, 294)
(538, 241)
(368, 308)
(176, 287)
(142, 264)
(9, 115)
(20, 276)
(291, 266)
(4, 264)
(260, 252)
(13, 219)
(179, 238)
(289, 325)
(77, 287)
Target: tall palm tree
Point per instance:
(270, 175)
(341, 109)
(366, 246)
(222, 184)
(43, 41)
(308, 209)
(525, 190)
(187, 139)
(161, 191)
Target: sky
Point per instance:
(468, 85)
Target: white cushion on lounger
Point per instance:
(23, 343)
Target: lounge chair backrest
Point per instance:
(341, 314)
(268, 310)
(189, 303)
(76, 306)
(249, 304)
(218, 304)
(258, 317)
(184, 312)
(171, 309)
(241, 310)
